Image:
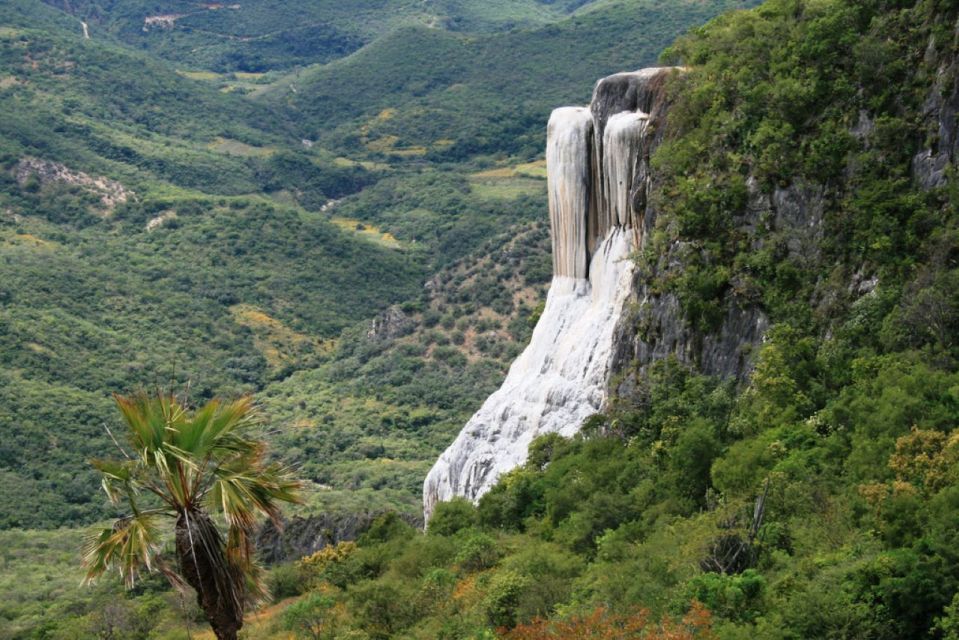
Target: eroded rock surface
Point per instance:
(597, 170)
(110, 192)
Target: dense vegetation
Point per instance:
(415, 92)
(270, 35)
(158, 225)
(818, 500)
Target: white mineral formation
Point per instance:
(593, 157)
(622, 144)
(569, 137)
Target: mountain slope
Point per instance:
(806, 172)
(425, 91)
(129, 259)
(272, 35)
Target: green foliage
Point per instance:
(286, 581)
(827, 100)
(383, 608)
(948, 624)
(433, 80)
(478, 552)
(452, 516)
(737, 598)
(503, 597)
(312, 618)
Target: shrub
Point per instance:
(478, 551)
(451, 516)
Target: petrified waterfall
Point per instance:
(597, 185)
(568, 140)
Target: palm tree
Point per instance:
(198, 468)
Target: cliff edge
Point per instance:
(598, 183)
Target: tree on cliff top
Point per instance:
(195, 467)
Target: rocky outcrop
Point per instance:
(301, 537)
(656, 329)
(390, 324)
(598, 180)
(110, 192)
(940, 113)
(156, 222)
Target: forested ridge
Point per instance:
(168, 217)
(817, 498)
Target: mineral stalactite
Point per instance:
(569, 137)
(597, 181)
(622, 151)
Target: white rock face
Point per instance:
(569, 137)
(555, 384)
(622, 143)
(592, 158)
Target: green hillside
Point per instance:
(819, 499)
(151, 232)
(449, 96)
(232, 203)
(270, 35)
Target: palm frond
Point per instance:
(224, 435)
(193, 432)
(129, 545)
(118, 478)
(147, 417)
(241, 554)
(244, 488)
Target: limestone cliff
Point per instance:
(598, 182)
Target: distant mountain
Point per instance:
(266, 35)
(420, 91)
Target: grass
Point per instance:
(28, 241)
(278, 343)
(261, 623)
(497, 187)
(367, 231)
(200, 75)
(534, 169)
(369, 165)
(237, 148)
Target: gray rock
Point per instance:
(939, 113)
(390, 324)
(299, 537)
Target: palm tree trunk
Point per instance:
(203, 563)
